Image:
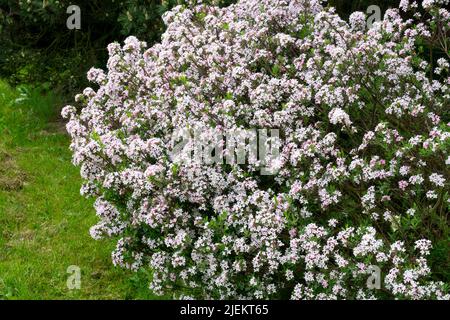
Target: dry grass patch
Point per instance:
(11, 177)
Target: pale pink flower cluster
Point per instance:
(339, 201)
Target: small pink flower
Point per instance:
(403, 184)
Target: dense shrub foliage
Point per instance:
(345, 8)
(362, 177)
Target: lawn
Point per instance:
(44, 222)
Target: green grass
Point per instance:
(44, 222)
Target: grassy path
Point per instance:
(44, 222)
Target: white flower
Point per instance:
(423, 246)
(358, 20)
(339, 116)
(437, 179)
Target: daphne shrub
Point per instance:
(361, 183)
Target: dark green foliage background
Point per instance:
(37, 48)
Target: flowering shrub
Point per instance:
(362, 177)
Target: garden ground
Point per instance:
(44, 222)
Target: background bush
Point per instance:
(36, 47)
